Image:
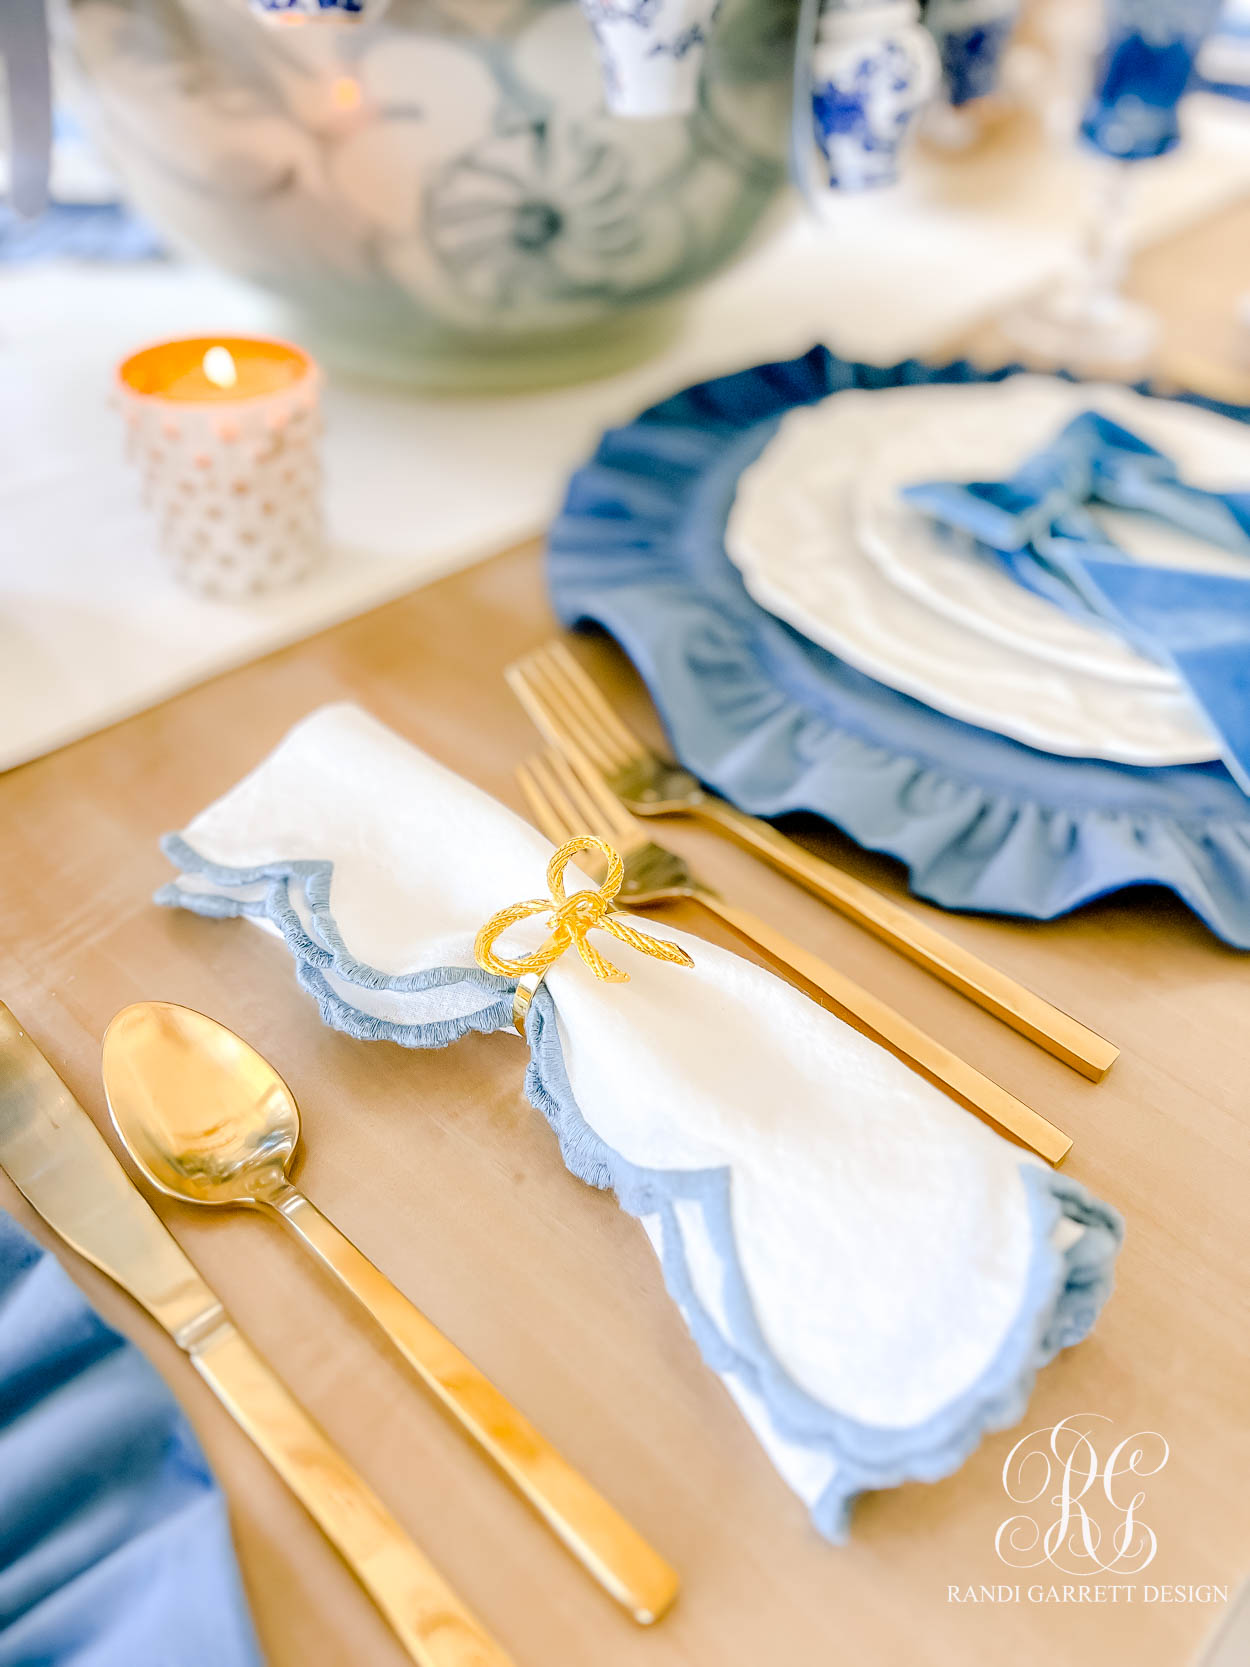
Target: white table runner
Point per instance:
(91, 629)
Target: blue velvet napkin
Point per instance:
(114, 1544)
(1038, 527)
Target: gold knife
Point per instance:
(57, 1158)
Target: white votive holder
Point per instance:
(226, 432)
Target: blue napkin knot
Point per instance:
(1039, 529)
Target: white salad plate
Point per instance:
(825, 542)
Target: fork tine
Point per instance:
(583, 688)
(560, 807)
(567, 713)
(541, 809)
(577, 714)
(526, 680)
(584, 781)
(531, 683)
(588, 818)
(603, 818)
(554, 812)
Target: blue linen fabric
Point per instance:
(1198, 623)
(1092, 460)
(114, 1543)
(777, 724)
(77, 231)
(1143, 74)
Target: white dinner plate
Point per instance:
(824, 542)
(1210, 450)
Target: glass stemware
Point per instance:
(1131, 117)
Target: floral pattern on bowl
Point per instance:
(444, 181)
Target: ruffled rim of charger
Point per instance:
(1064, 1290)
(778, 725)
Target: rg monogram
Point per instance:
(1085, 1510)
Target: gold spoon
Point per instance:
(206, 1119)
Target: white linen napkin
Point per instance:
(875, 1274)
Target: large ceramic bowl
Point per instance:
(439, 193)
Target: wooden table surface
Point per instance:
(437, 1167)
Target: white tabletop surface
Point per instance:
(92, 629)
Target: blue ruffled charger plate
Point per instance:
(777, 724)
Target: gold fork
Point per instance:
(567, 796)
(572, 712)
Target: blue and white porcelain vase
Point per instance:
(874, 68)
(651, 53)
(971, 37)
(439, 194)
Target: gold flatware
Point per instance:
(59, 1160)
(567, 796)
(208, 1120)
(571, 711)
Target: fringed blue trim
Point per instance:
(326, 953)
(776, 724)
(1063, 1294)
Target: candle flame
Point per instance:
(220, 368)
(345, 93)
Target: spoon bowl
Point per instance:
(202, 1114)
(206, 1119)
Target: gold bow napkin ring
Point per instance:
(572, 919)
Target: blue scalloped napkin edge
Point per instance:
(1063, 1295)
(776, 724)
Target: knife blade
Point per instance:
(60, 1162)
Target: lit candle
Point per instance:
(225, 430)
